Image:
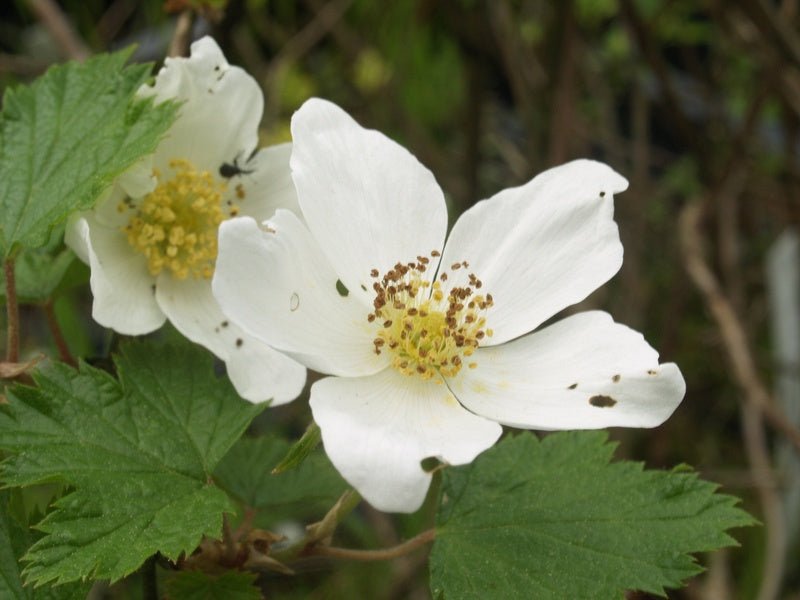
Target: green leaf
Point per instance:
(556, 519)
(139, 452)
(300, 449)
(231, 585)
(308, 490)
(13, 542)
(65, 138)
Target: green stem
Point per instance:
(321, 530)
(12, 308)
(149, 581)
(383, 554)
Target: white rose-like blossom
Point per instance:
(428, 346)
(152, 243)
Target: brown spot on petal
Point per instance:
(616, 378)
(652, 372)
(572, 387)
(601, 401)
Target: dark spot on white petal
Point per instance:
(153, 288)
(239, 342)
(602, 194)
(616, 378)
(224, 323)
(601, 401)
(216, 329)
(294, 302)
(216, 68)
(652, 372)
(342, 289)
(363, 287)
(572, 387)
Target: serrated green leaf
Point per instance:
(556, 519)
(308, 490)
(13, 542)
(194, 585)
(66, 137)
(139, 452)
(300, 450)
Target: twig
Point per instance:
(327, 17)
(12, 310)
(771, 506)
(370, 555)
(733, 335)
(56, 23)
(58, 335)
(179, 45)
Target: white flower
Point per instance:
(152, 243)
(429, 347)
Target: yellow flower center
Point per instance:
(175, 226)
(425, 330)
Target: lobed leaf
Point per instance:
(556, 519)
(139, 453)
(66, 137)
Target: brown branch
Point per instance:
(370, 555)
(12, 312)
(729, 324)
(179, 45)
(58, 336)
(57, 24)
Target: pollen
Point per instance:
(175, 226)
(427, 328)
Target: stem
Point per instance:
(149, 582)
(12, 346)
(383, 554)
(228, 540)
(58, 335)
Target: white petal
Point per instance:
(220, 111)
(276, 285)
(257, 371)
(121, 284)
(377, 429)
(269, 187)
(366, 199)
(584, 372)
(541, 247)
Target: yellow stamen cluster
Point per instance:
(426, 331)
(175, 226)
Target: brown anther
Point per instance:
(455, 266)
(387, 323)
(443, 276)
(435, 253)
(371, 317)
(412, 311)
(373, 273)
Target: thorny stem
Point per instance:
(12, 309)
(369, 555)
(58, 336)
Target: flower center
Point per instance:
(426, 331)
(175, 226)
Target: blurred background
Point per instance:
(697, 103)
